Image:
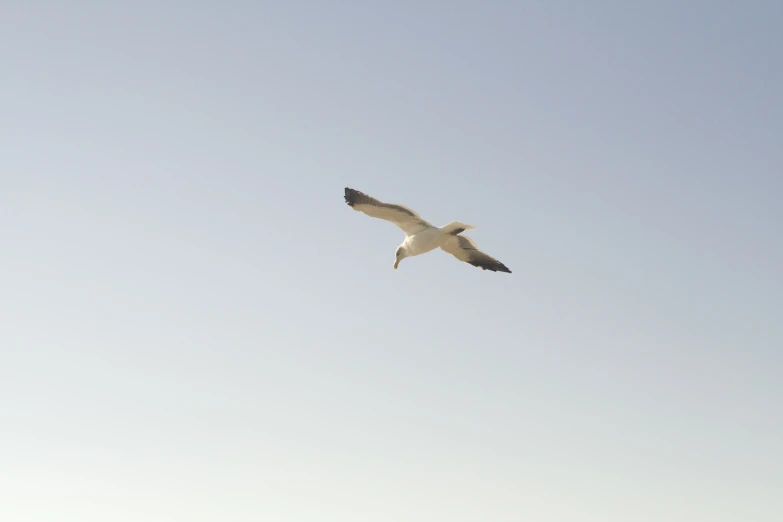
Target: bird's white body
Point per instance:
(425, 241)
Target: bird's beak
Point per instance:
(396, 263)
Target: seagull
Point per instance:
(421, 236)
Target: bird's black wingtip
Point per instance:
(500, 267)
(496, 266)
(350, 196)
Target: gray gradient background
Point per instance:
(194, 327)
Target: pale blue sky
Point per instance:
(195, 327)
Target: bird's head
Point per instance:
(399, 256)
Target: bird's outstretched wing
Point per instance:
(408, 220)
(465, 249)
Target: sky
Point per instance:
(195, 327)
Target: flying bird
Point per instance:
(421, 236)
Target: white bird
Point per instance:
(421, 236)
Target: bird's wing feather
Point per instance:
(466, 250)
(408, 220)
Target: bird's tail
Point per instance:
(455, 227)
